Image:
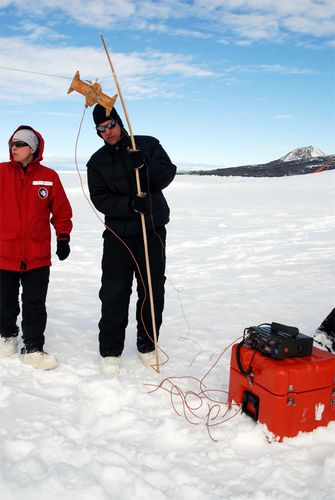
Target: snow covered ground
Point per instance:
(241, 251)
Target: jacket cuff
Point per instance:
(62, 237)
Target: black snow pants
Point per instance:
(118, 270)
(34, 316)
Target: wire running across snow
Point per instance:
(199, 404)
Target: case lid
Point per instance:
(282, 376)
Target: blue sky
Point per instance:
(219, 82)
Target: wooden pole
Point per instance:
(139, 193)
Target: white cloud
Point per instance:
(37, 32)
(143, 74)
(319, 27)
(253, 26)
(249, 20)
(270, 68)
(164, 28)
(266, 19)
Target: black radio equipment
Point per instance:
(278, 341)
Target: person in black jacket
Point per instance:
(111, 174)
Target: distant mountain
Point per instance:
(302, 154)
(305, 160)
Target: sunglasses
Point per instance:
(103, 128)
(19, 144)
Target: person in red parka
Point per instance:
(31, 198)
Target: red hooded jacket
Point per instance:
(30, 199)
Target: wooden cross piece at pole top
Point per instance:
(93, 93)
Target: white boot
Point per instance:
(8, 346)
(110, 365)
(41, 360)
(148, 358)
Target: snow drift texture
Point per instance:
(241, 251)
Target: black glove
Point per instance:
(139, 204)
(63, 247)
(136, 158)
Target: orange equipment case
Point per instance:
(288, 395)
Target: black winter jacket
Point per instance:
(112, 184)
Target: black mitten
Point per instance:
(136, 158)
(63, 246)
(139, 204)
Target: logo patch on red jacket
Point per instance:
(43, 193)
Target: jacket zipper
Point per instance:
(23, 228)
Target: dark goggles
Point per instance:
(103, 128)
(19, 144)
